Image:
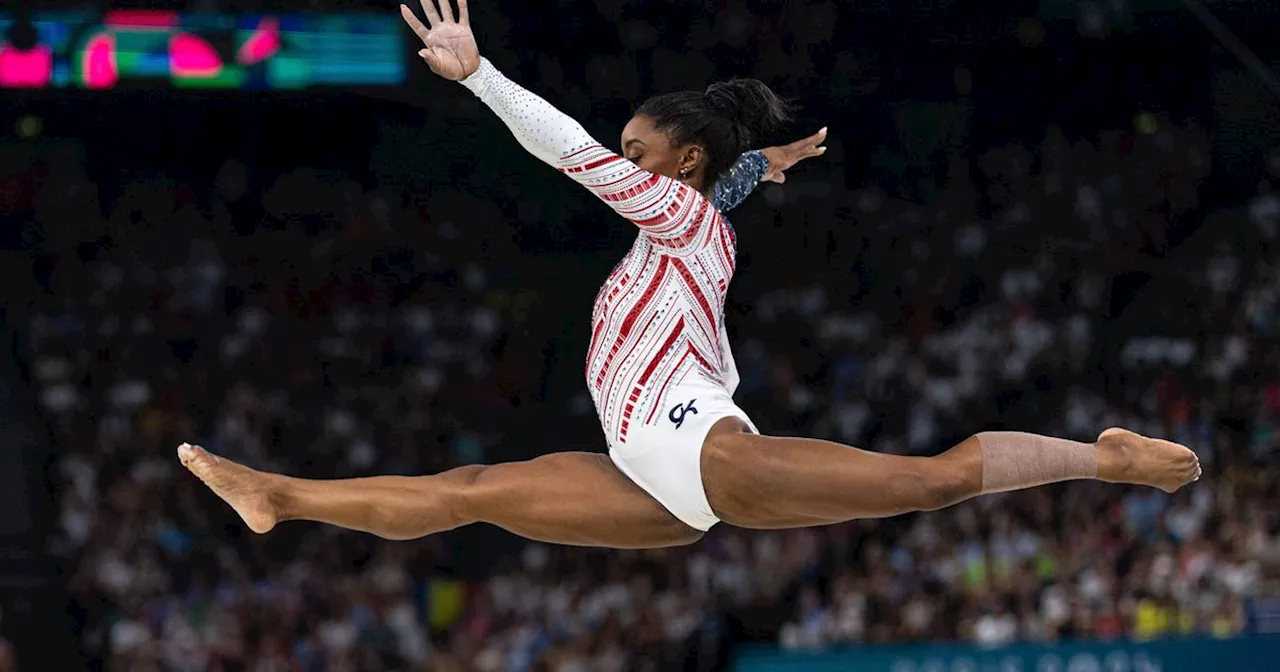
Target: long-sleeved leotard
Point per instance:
(740, 181)
(659, 317)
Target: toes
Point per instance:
(192, 456)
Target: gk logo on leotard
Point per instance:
(677, 414)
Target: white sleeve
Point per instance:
(539, 127)
(667, 210)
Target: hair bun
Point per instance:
(751, 105)
(724, 99)
(726, 119)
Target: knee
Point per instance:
(942, 483)
(441, 502)
(464, 493)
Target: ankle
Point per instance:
(280, 495)
(1114, 459)
(1017, 460)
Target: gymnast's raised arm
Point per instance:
(661, 206)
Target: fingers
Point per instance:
(446, 10)
(464, 17)
(429, 6)
(805, 148)
(812, 145)
(414, 23)
(817, 138)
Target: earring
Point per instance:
(684, 172)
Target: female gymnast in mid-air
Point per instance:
(682, 456)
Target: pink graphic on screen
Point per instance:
(98, 62)
(100, 51)
(25, 69)
(140, 18)
(262, 44)
(190, 56)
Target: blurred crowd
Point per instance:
(334, 322)
(325, 327)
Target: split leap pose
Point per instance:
(682, 456)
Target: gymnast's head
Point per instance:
(696, 136)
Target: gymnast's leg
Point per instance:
(765, 482)
(566, 498)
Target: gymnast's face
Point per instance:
(652, 150)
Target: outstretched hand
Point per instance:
(451, 50)
(783, 157)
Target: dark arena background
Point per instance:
(265, 227)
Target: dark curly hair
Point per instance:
(727, 119)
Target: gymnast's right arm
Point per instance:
(662, 207)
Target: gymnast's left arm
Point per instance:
(765, 165)
(736, 185)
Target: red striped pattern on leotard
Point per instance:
(659, 316)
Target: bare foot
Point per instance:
(241, 487)
(1127, 457)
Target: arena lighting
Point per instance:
(200, 50)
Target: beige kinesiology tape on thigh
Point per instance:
(1016, 460)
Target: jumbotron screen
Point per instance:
(102, 51)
